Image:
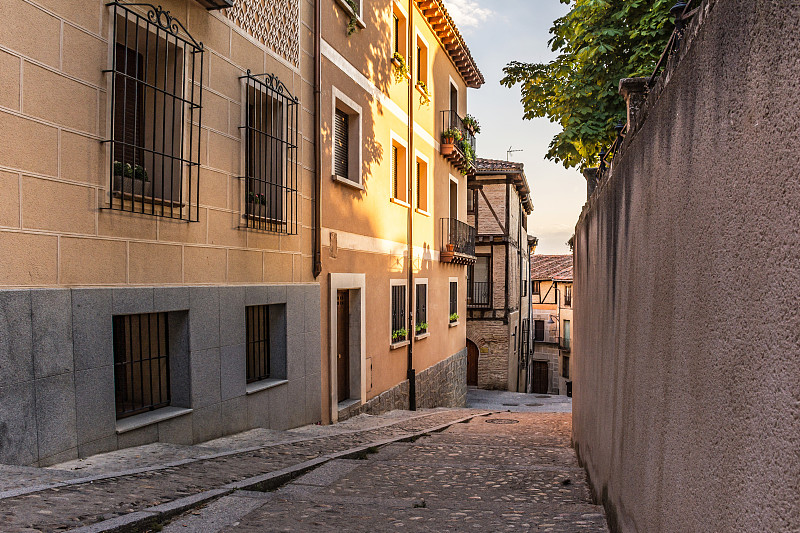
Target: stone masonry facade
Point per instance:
(442, 385)
(491, 337)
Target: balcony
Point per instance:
(478, 294)
(458, 242)
(460, 152)
(565, 343)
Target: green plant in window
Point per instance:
(352, 26)
(451, 136)
(400, 67)
(136, 172)
(422, 327)
(425, 97)
(469, 153)
(472, 124)
(399, 335)
(453, 317)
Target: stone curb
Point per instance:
(131, 472)
(140, 520)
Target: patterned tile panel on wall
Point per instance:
(276, 23)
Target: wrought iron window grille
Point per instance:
(399, 332)
(453, 299)
(258, 343)
(156, 102)
(271, 164)
(141, 363)
(421, 315)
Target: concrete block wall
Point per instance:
(686, 406)
(57, 398)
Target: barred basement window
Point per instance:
(399, 332)
(141, 363)
(453, 299)
(341, 144)
(156, 95)
(271, 134)
(421, 314)
(258, 343)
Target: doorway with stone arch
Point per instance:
(472, 363)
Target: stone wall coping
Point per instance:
(264, 384)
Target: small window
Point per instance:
(341, 144)
(421, 314)
(398, 172)
(453, 301)
(399, 333)
(422, 62)
(346, 138)
(422, 184)
(565, 368)
(270, 156)
(471, 201)
(568, 296)
(536, 287)
(141, 363)
(258, 343)
(538, 330)
(399, 32)
(524, 289)
(156, 90)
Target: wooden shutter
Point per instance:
(396, 34)
(419, 191)
(128, 107)
(341, 155)
(538, 332)
(394, 171)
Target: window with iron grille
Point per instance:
(453, 300)
(271, 201)
(258, 343)
(141, 363)
(421, 314)
(565, 368)
(568, 296)
(156, 94)
(399, 332)
(341, 144)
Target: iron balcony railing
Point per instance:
(451, 120)
(458, 237)
(478, 294)
(565, 343)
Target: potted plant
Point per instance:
(469, 153)
(453, 317)
(399, 335)
(450, 246)
(421, 328)
(449, 138)
(131, 179)
(425, 97)
(400, 67)
(472, 124)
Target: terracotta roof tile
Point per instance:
(557, 267)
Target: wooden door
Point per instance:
(472, 364)
(343, 345)
(540, 377)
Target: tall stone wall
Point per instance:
(491, 337)
(686, 405)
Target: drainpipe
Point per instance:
(530, 319)
(521, 213)
(317, 238)
(411, 373)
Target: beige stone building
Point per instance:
(498, 318)
(551, 302)
(394, 243)
(156, 223)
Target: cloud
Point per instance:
(467, 13)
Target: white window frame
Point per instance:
(417, 282)
(399, 7)
(398, 283)
(396, 138)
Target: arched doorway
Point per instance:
(472, 363)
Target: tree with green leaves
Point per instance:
(598, 43)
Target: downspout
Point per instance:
(530, 320)
(411, 373)
(519, 253)
(318, 140)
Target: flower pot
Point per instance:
(450, 246)
(396, 62)
(447, 148)
(131, 186)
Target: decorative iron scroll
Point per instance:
(275, 23)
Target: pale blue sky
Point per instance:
(497, 32)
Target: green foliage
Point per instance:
(399, 335)
(472, 123)
(452, 135)
(400, 67)
(422, 327)
(453, 317)
(598, 43)
(425, 97)
(352, 25)
(466, 149)
(137, 172)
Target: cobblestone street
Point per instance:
(504, 472)
(433, 470)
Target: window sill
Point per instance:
(265, 384)
(142, 199)
(399, 202)
(396, 345)
(153, 417)
(347, 9)
(344, 404)
(422, 212)
(422, 93)
(422, 336)
(454, 324)
(348, 182)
